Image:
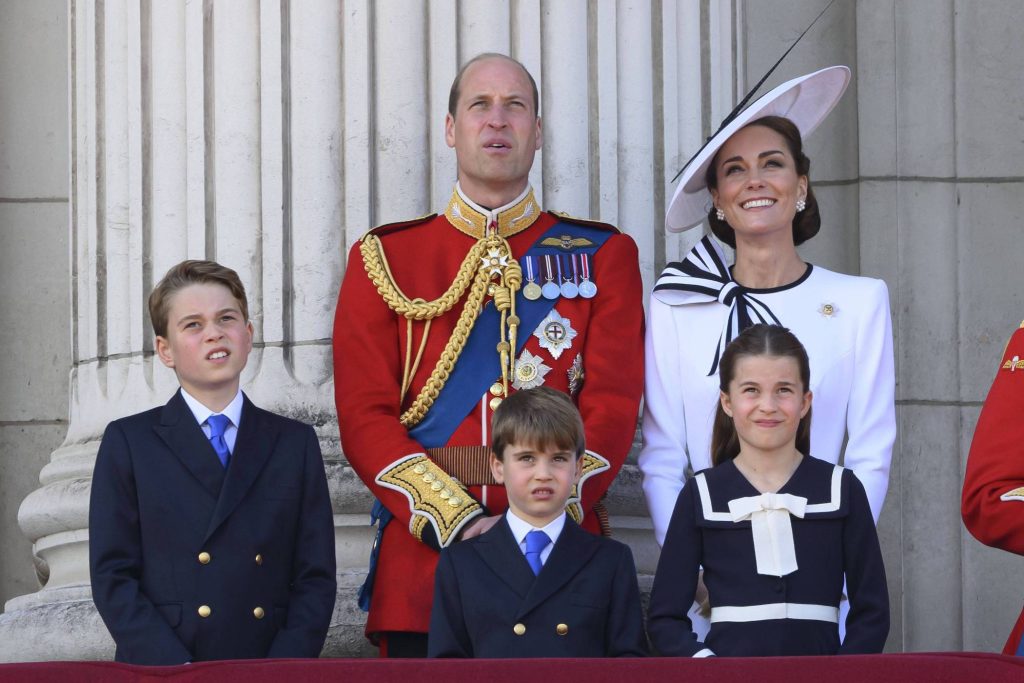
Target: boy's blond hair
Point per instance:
(191, 273)
(540, 417)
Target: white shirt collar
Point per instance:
(233, 410)
(520, 527)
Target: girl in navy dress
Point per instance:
(773, 528)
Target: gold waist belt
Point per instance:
(469, 464)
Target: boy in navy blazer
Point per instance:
(536, 584)
(211, 534)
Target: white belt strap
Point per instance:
(776, 610)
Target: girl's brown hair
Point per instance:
(758, 340)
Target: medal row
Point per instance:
(564, 275)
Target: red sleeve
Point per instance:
(367, 389)
(993, 496)
(613, 354)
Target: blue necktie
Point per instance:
(536, 541)
(218, 423)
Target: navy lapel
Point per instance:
(498, 548)
(256, 439)
(572, 551)
(184, 437)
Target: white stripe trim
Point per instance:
(705, 502)
(831, 506)
(703, 653)
(776, 610)
(837, 489)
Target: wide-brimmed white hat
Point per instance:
(805, 101)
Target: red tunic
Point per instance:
(993, 498)
(369, 355)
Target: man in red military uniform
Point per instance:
(440, 318)
(993, 499)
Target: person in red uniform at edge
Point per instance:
(993, 499)
(428, 316)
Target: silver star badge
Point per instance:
(555, 333)
(494, 261)
(530, 371)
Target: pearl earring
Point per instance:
(719, 214)
(800, 205)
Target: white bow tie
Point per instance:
(769, 515)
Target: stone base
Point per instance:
(59, 624)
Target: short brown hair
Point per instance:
(192, 273)
(806, 223)
(540, 417)
(455, 92)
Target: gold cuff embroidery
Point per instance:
(434, 497)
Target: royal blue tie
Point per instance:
(536, 541)
(218, 423)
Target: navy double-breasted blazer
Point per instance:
(584, 603)
(193, 562)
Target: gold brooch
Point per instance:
(828, 310)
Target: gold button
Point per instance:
(495, 402)
(561, 629)
(455, 501)
(259, 559)
(258, 612)
(446, 493)
(204, 611)
(204, 557)
(497, 389)
(420, 468)
(436, 486)
(519, 629)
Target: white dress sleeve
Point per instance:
(664, 457)
(871, 412)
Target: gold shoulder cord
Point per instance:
(487, 269)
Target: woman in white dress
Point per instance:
(751, 182)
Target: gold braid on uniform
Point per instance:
(489, 259)
(435, 498)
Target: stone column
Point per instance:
(269, 136)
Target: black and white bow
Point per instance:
(702, 277)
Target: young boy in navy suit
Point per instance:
(211, 534)
(536, 584)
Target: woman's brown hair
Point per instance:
(806, 223)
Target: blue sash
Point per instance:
(479, 366)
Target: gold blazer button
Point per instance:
(258, 612)
(561, 629)
(259, 559)
(204, 557)
(519, 629)
(204, 611)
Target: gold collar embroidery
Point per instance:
(512, 218)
